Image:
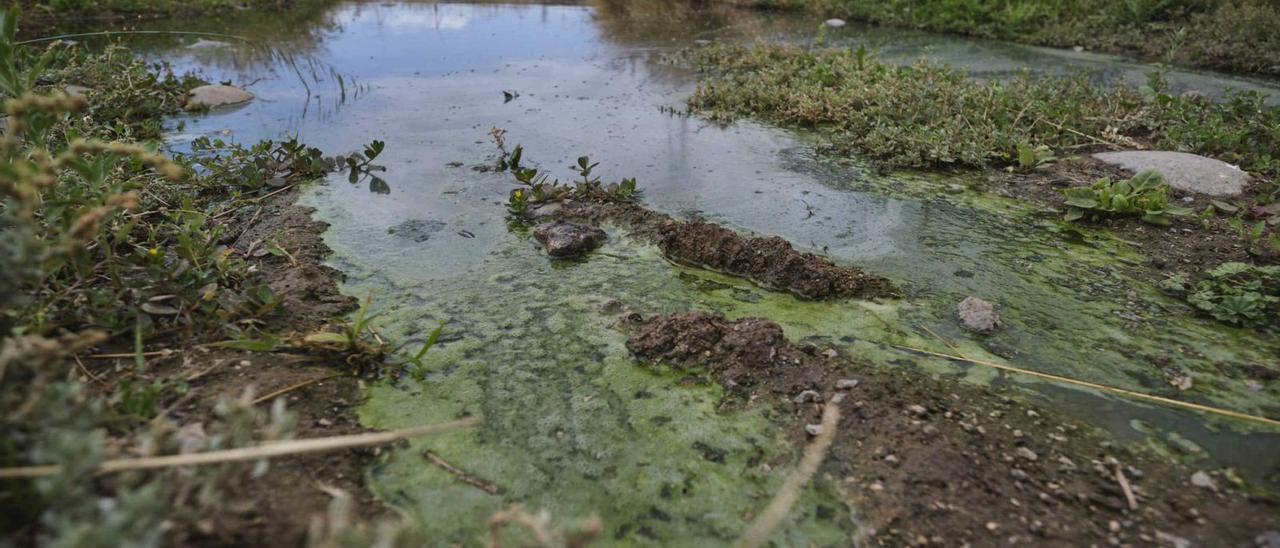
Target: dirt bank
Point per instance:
(276, 508)
(931, 461)
(769, 261)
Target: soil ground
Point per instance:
(1190, 246)
(276, 508)
(935, 462)
(768, 261)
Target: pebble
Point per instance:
(813, 429)
(978, 315)
(1202, 479)
(917, 410)
(846, 384)
(1027, 454)
(807, 396)
(834, 23)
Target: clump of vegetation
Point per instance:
(929, 115)
(537, 187)
(1237, 293)
(1144, 195)
(105, 241)
(1232, 35)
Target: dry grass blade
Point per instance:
(264, 451)
(760, 530)
(291, 388)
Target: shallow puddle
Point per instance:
(571, 423)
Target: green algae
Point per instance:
(571, 423)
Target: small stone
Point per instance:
(978, 315)
(80, 92)
(917, 410)
(846, 384)
(876, 487)
(1203, 480)
(1172, 541)
(546, 210)
(1268, 539)
(1027, 454)
(324, 422)
(891, 459)
(813, 429)
(564, 240)
(834, 23)
(929, 429)
(217, 95)
(807, 396)
(831, 353)
(992, 526)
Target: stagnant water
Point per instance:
(571, 423)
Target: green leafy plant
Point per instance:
(1234, 292)
(1144, 195)
(537, 187)
(1034, 157)
(1252, 236)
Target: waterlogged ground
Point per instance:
(571, 422)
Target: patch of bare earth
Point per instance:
(928, 461)
(769, 261)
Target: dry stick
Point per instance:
(164, 352)
(1124, 486)
(780, 506)
(1095, 386)
(516, 514)
(264, 451)
(462, 476)
(291, 388)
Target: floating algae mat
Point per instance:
(572, 423)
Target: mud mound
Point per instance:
(745, 354)
(768, 261)
(936, 462)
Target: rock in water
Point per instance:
(978, 315)
(417, 230)
(217, 95)
(837, 23)
(1183, 171)
(564, 240)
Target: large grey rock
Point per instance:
(978, 315)
(1183, 171)
(217, 95)
(564, 240)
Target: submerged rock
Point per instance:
(417, 230)
(1183, 171)
(978, 315)
(217, 95)
(563, 240)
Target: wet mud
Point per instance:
(769, 261)
(935, 462)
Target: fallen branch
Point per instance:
(463, 477)
(264, 451)
(1128, 491)
(760, 530)
(291, 388)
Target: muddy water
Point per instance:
(571, 424)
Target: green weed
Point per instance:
(1235, 293)
(1144, 195)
